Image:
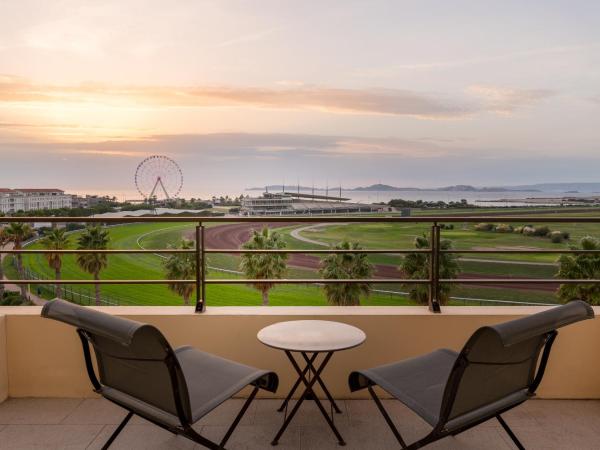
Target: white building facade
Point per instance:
(14, 200)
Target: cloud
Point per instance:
(241, 146)
(398, 102)
(218, 162)
(506, 100)
(220, 146)
(35, 125)
(394, 69)
(101, 152)
(215, 164)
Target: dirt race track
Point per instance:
(232, 236)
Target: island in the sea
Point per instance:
(568, 188)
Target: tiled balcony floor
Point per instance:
(86, 424)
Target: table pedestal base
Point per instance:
(314, 377)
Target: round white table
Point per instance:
(310, 338)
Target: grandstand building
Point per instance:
(14, 200)
(291, 203)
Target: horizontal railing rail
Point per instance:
(94, 251)
(209, 250)
(311, 219)
(434, 252)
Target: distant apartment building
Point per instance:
(14, 200)
(89, 201)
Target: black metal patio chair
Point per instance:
(139, 371)
(494, 372)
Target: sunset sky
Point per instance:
(247, 93)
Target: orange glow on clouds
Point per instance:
(94, 111)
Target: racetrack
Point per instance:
(232, 236)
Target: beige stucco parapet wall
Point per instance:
(43, 358)
(3, 360)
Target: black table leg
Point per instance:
(308, 390)
(309, 363)
(297, 383)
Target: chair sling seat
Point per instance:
(417, 382)
(226, 378)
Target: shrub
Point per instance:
(484, 227)
(528, 230)
(72, 226)
(12, 299)
(504, 228)
(580, 267)
(541, 231)
(519, 230)
(447, 226)
(556, 237)
(566, 235)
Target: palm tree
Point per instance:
(3, 241)
(182, 266)
(17, 233)
(266, 265)
(339, 266)
(580, 266)
(55, 239)
(416, 266)
(93, 238)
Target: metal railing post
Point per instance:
(434, 269)
(200, 270)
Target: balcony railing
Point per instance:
(434, 281)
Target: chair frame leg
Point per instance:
(238, 418)
(437, 434)
(188, 432)
(387, 418)
(113, 436)
(510, 432)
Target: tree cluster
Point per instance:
(401, 203)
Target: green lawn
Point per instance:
(463, 237)
(371, 235)
(150, 267)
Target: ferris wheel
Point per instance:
(158, 175)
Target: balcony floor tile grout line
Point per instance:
(62, 422)
(98, 434)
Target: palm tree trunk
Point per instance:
(58, 286)
(186, 300)
(1, 278)
(22, 287)
(97, 287)
(20, 265)
(265, 298)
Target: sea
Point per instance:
(479, 198)
(472, 197)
